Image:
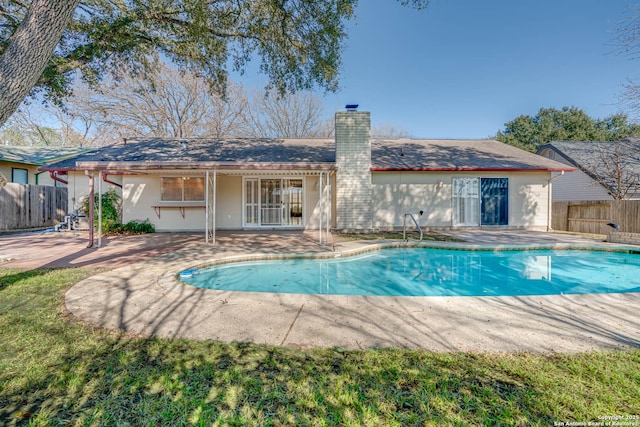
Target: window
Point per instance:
(182, 189)
(19, 176)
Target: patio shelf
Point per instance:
(182, 208)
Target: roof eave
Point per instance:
(471, 169)
(98, 166)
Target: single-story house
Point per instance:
(604, 170)
(19, 164)
(351, 182)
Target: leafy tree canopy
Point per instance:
(566, 124)
(299, 41)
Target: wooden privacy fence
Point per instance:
(31, 206)
(593, 216)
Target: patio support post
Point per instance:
(211, 182)
(328, 227)
(320, 218)
(91, 206)
(213, 221)
(99, 212)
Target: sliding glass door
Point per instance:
(480, 201)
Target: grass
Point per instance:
(55, 371)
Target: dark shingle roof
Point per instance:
(486, 154)
(200, 150)
(36, 155)
(386, 154)
(592, 157)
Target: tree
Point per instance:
(388, 130)
(296, 115)
(567, 124)
(163, 102)
(29, 49)
(614, 165)
(299, 42)
(627, 39)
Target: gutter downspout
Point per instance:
(108, 181)
(55, 177)
(549, 202)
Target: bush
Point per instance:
(135, 227)
(111, 208)
(111, 213)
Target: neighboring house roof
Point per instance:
(386, 154)
(35, 156)
(599, 159)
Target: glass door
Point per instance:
(466, 201)
(251, 202)
(494, 206)
(271, 201)
(292, 202)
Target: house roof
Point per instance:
(386, 155)
(456, 155)
(36, 155)
(162, 153)
(591, 157)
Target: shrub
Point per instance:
(137, 227)
(111, 208)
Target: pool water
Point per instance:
(434, 272)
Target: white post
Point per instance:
(328, 228)
(206, 207)
(213, 223)
(320, 218)
(99, 209)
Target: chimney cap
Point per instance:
(351, 107)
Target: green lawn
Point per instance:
(54, 371)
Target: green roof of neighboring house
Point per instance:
(36, 156)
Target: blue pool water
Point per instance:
(434, 272)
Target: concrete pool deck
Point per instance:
(143, 298)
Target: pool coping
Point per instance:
(147, 299)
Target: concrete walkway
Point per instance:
(144, 298)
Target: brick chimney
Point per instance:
(353, 178)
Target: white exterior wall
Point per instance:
(528, 200)
(397, 193)
(228, 203)
(576, 185)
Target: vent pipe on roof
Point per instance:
(184, 144)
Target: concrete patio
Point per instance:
(142, 297)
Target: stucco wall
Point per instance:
(397, 193)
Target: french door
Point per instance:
(271, 202)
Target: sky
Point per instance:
(463, 68)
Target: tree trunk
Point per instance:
(30, 49)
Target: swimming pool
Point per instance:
(433, 272)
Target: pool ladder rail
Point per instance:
(404, 226)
